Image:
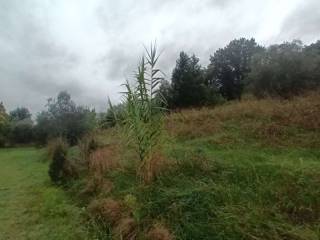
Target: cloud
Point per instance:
(303, 22)
(90, 47)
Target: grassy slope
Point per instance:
(246, 170)
(250, 170)
(30, 207)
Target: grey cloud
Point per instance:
(304, 22)
(90, 47)
(33, 67)
(118, 63)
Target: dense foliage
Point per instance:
(285, 70)
(63, 118)
(230, 65)
(281, 70)
(21, 126)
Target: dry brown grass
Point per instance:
(87, 145)
(265, 117)
(126, 229)
(97, 184)
(109, 210)
(115, 214)
(153, 167)
(104, 159)
(159, 232)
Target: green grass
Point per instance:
(30, 207)
(231, 185)
(235, 173)
(240, 193)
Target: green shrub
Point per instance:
(58, 161)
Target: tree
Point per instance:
(20, 113)
(4, 125)
(230, 65)
(21, 126)
(64, 118)
(312, 60)
(282, 70)
(166, 92)
(188, 87)
(44, 128)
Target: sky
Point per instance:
(90, 47)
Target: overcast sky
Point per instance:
(89, 47)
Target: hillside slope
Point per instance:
(245, 170)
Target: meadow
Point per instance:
(212, 135)
(243, 170)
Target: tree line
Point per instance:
(241, 67)
(62, 118)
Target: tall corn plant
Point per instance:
(143, 113)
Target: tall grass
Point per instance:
(143, 117)
(273, 122)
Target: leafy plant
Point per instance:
(143, 112)
(60, 168)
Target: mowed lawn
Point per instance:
(30, 206)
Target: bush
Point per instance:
(59, 169)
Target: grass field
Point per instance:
(246, 170)
(30, 207)
(229, 192)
